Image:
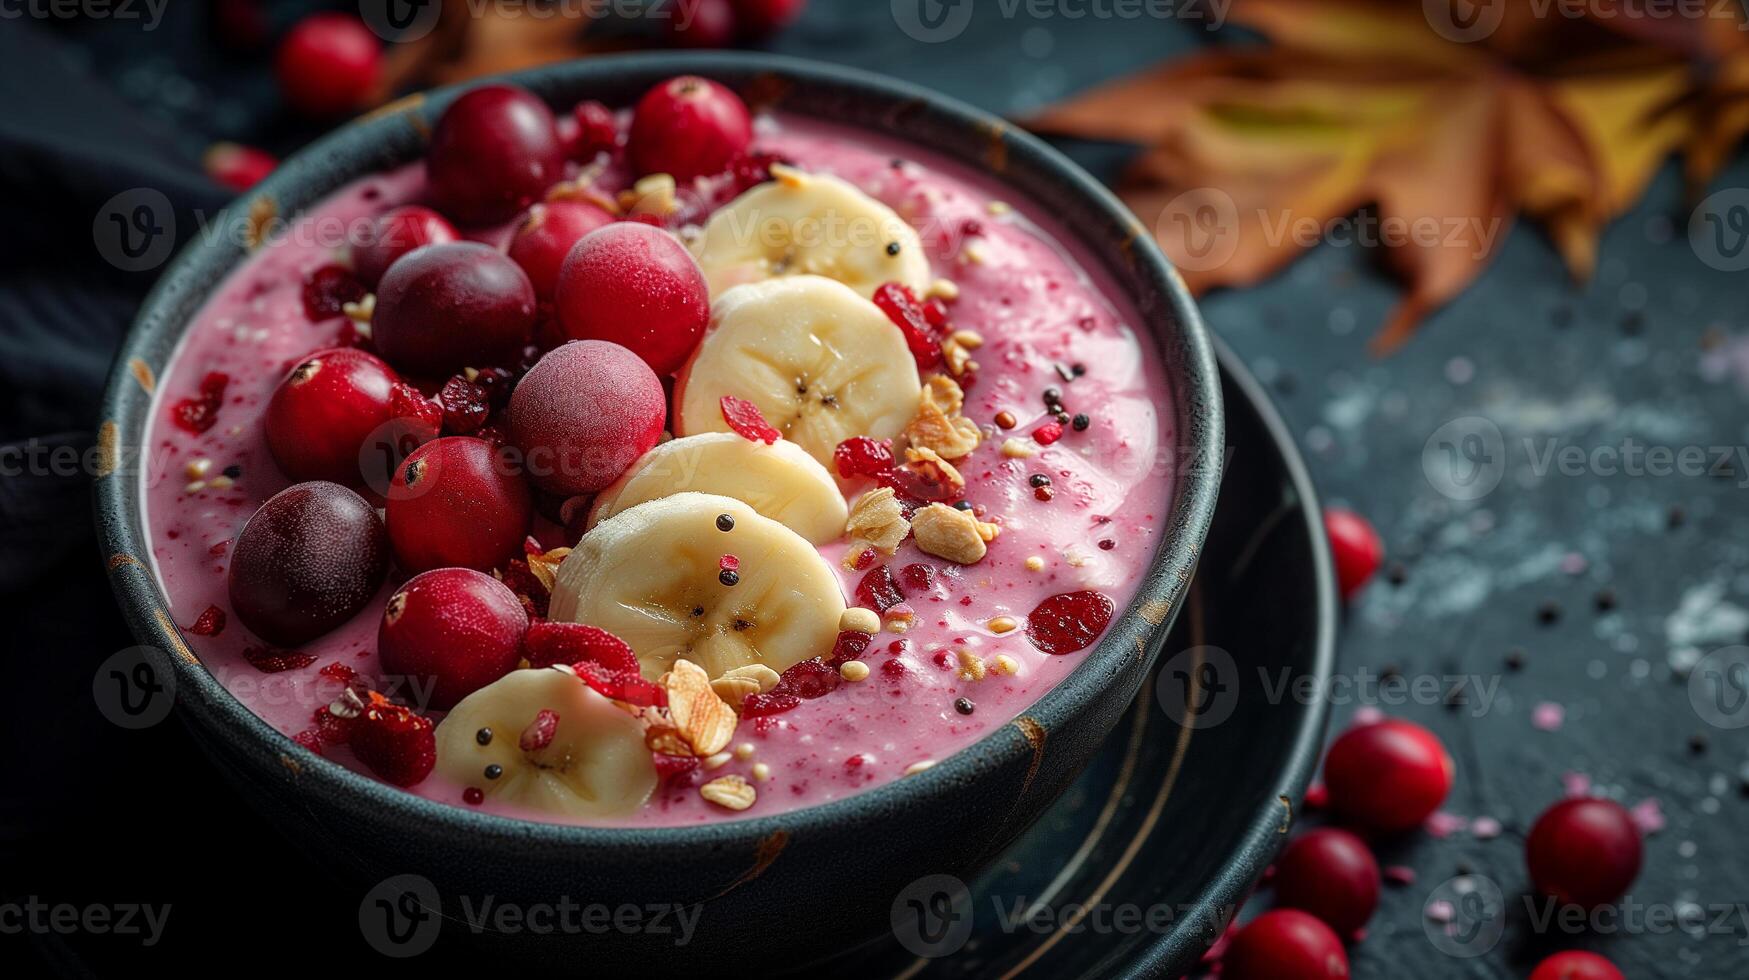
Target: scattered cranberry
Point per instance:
(1069, 622)
(465, 406)
(1389, 775)
(596, 131)
(325, 410)
(395, 743)
(1330, 873)
(584, 414)
(1285, 944)
(706, 24)
(809, 679)
(273, 660)
(850, 645)
(393, 235)
(200, 412)
(546, 236)
(688, 127)
(457, 502)
(638, 287)
(307, 561)
(765, 705)
(862, 456)
(747, 420)
(211, 622)
(451, 631)
(673, 766)
(761, 17)
(752, 168)
(900, 305)
(494, 151)
(328, 64)
(878, 591)
(1356, 548)
(918, 576)
(1576, 965)
(604, 661)
(1584, 851)
(1048, 433)
(237, 166)
(916, 484)
(328, 290)
(444, 307)
(473, 796)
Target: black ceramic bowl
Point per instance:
(777, 889)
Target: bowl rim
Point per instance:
(1196, 390)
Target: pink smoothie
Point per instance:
(1025, 286)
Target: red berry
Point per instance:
(397, 745)
(918, 576)
(1584, 852)
(547, 235)
(862, 456)
(703, 24)
(604, 661)
(237, 166)
(321, 415)
(688, 127)
(465, 406)
(747, 420)
(327, 291)
(1285, 944)
(1356, 548)
(670, 766)
(328, 64)
(1069, 622)
(761, 17)
(1330, 873)
(638, 287)
(752, 168)
(584, 414)
(451, 631)
(809, 679)
(307, 561)
(878, 591)
(445, 307)
(200, 411)
(1576, 965)
(596, 131)
(494, 151)
(900, 305)
(849, 645)
(458, 502)
(1389, 775)
(765, 705)
(397, 232)
(211, 622)
(1048, 433)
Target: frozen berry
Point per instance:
(450, 632)
(328, 64)
(494, 151)
(237, 166)
(546, 236)
(1389, 775)
(323, 412)
(584, 414)
(1584, 851)
(395, 743)
(393, 235)
(444, 307)
(1069, 622)
(595, 131)
(307, 561)
(761, 17)
(705, 24)
(1356, 548)
(862, 456)
(1330, 873)
(457, 502)
(1285, 944)
(688, 127)
(1576, 965)
(637, 286)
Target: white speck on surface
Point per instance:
(1705, 617)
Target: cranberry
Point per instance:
(393, 235)
(456, 501)
(596, 131)
(307, 561)
(1330, 873)
(809, 679)
(772, 703)
(321, 415)
(494, 151)
(878, 591)
(546, 236)
(395, 743)
(1389, 775)
(1285, 944)
(1584, 851)
(328, 64)
(445, 307)
(850, 645)
(761, 17)
(327, 291)
(1069, 622)
(688, 127)
(900, 305)
(706, 24)
(200, 411)
(584, 414)
(1576, 965)
(451, 631)
(1356, 548)
(862, 456)
(638, 287)
(746, 420)
(752, 168)
(236, 166)
(465, 406)
(918, 576)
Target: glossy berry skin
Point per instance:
(445, 307)
(451, 631)
(457, 502)
(1355, 547)
(1389, 775)
(546, 236)
(321, 414)
(328, 65)
(638, 287)
(494, 151)
(688, 127)
(712, 24)
(307, 561)
(1330, 873)
(1584, 852)
(1285, 944)
(397, 232)
(1576, 965)
(584, 414)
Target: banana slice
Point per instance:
(780, 481)
(653, 575)
(596, 764)
(810, 224)
(822, 363)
